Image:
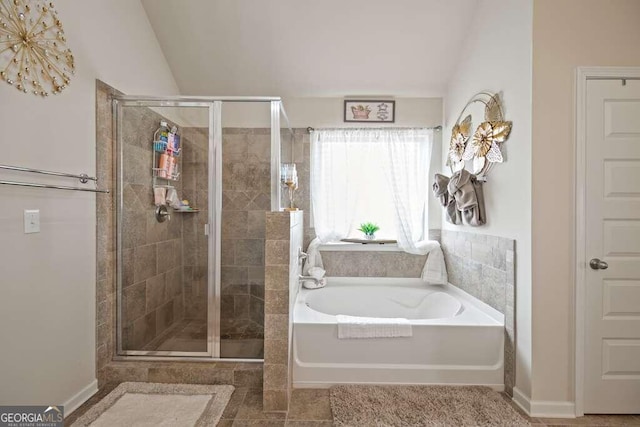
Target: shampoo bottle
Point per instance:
(162, 133)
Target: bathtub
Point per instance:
(456, 339)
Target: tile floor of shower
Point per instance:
(311, 407)
(191, 336)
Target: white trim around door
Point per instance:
(583, 74)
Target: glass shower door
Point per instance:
(165, 291)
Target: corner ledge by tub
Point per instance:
(359, 247)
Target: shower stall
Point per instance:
(191, 201)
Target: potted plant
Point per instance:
(369, 229)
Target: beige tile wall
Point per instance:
(152, 295)
(284, 235)
(194, 181)
(246, 195)
(372, 264)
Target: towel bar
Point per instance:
(58, 187)
(83, 178)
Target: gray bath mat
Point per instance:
(153, 405)
(356, 405)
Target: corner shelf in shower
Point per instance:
(186, 210)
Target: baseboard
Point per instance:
(80, 397)
(543, 408)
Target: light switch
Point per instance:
(31, 221)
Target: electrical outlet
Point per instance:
(31, 221)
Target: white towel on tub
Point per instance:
(435, 269)
(372, 327)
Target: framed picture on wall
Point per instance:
(369, 111)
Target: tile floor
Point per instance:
(187, 335)
(191, 336)
(311, 408)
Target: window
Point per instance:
(370, 175)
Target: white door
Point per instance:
(612, 350)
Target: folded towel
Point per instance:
(314, 259)
(372, 327)
(461, 188)
(160, 196)
(172, 198)
(439, 186)
(435, 269)
(453, 214)
(467, 192)
(476, 216)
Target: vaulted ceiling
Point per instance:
(307, 48)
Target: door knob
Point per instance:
(597, 264)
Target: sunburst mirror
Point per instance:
(34, 57)
(480, 150)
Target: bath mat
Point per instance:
(151, 404)
(358, 405)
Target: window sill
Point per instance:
(359, 247)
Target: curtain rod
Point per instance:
(436, 128)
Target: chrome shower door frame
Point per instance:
(214, 220)
(118, 104)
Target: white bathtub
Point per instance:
(457, 339)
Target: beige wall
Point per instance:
(497, 58)
(47, 280)
(566, 34)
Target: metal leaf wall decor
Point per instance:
(34, 57)
(484, 149)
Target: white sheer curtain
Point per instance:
(379, 175)
(409, 154)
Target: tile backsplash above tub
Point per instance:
(481, 265)
(372, 260)
(372, 264)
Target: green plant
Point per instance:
(368, 228)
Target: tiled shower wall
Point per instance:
(484, 266)
(246, 195)
(195, 185)
(152, 295)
